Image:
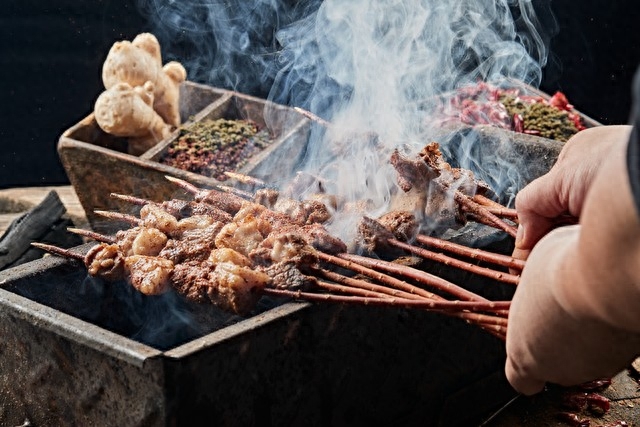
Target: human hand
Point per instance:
(546, 340)
(575, 316)
(563, 190)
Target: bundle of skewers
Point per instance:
(229, 247)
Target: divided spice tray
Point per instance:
(97, 163)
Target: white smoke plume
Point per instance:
(368, 67)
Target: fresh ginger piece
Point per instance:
(138, 62)
(127, 111)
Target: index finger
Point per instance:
(539, 204)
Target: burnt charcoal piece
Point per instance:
(43, 223)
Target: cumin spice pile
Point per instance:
(541, 118)
(211, 147)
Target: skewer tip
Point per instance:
(311, 116)
(245, 179)
(58, 250)
(118, 216)
(187, 186)
(236, 191)
(129, 199)
(91, 235)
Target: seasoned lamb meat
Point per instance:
(184, 209)
(227, 202)
(150, 275)
(105, 260)
(373, 236)
(321, 239)
(459, 178)
(287, 275)
(284, 245)
(266, 197)
(195, 244)
(232, 287)
(243, 236)
(402, 224)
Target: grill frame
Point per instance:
(295, 363)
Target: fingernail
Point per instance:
(519, 235)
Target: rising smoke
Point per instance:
(369, 67)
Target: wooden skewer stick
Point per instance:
(228, 202)
(363, 284)
(376, 275)
(495, 207)
(485, 319)
(489, 306)
(417, 275)
(244, 194)
(495, 211)
(454, 262)
(246, 179)
(130, 199)
(92, 235)
(504, 213)
(383, 292)
(387, 280)
(494, 325)
(472, 318)
(474, 253)
(187, 186)
(483, 213)
(349, 290)
(120, 217)
(58, 251)
(309, 115)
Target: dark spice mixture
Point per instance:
(512, 109)
(211, 147)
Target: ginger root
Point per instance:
(138, 62)
(141, 100)
(123, 110)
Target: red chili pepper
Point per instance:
(518, 123)
(598, 404)
(574, 401)
(577, 121)
(599, 384)
(573, 420)
(560, 101)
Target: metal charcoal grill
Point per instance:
(81, 352)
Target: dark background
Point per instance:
(51, 55)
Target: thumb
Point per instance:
(523, 384)
(539, 205)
